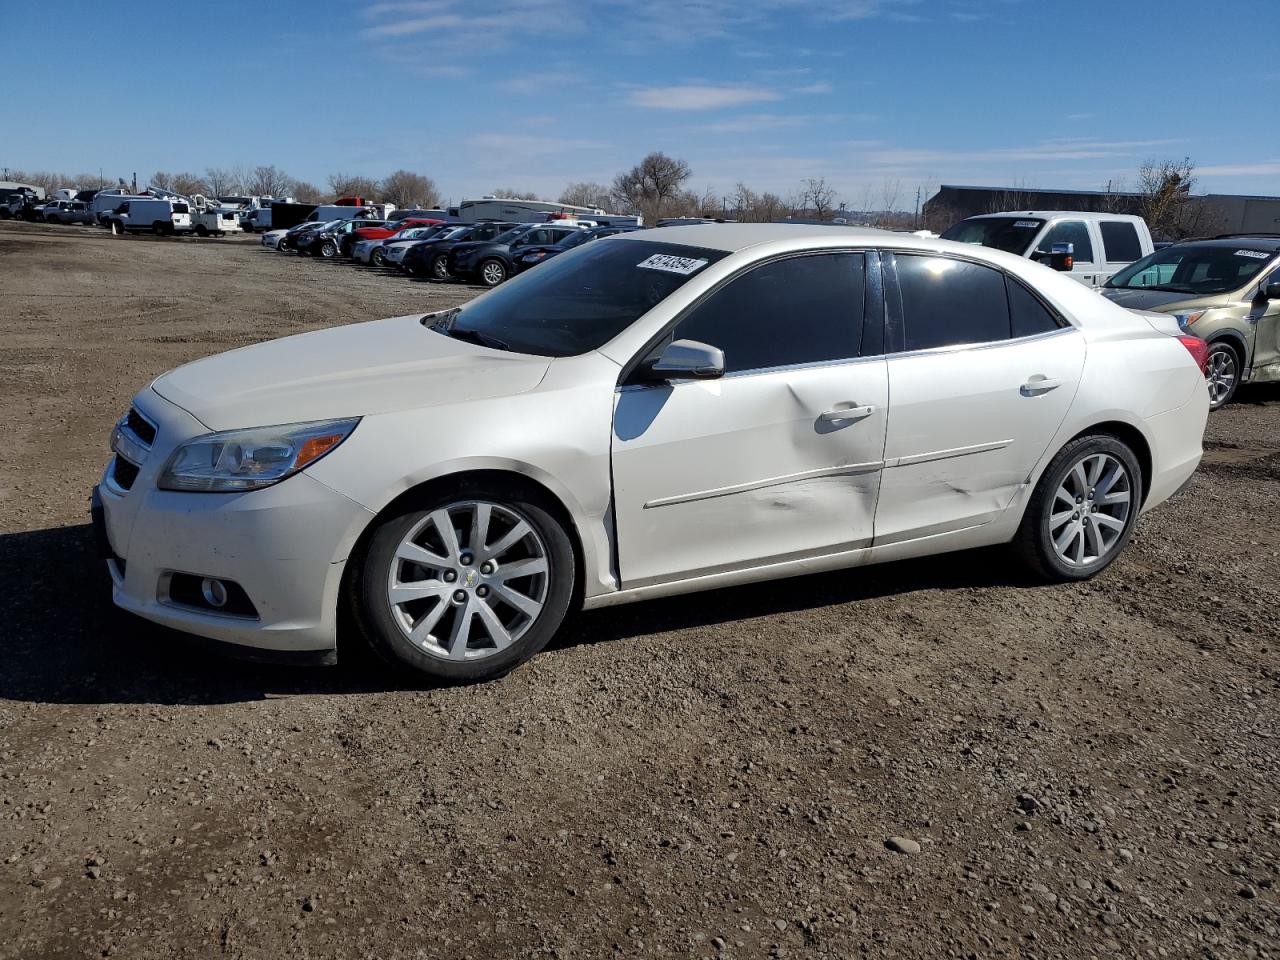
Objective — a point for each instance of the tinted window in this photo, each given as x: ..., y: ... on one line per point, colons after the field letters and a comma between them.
x: 798, y: 310
x: 582, y: 300
x: 1074, y: 232
x: 1027, y: 315
x: 950, y: 302
x: 1010, y: 234
x: 1120, y: 242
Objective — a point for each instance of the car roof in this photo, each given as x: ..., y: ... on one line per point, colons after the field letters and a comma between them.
x: 732, y: 237
x: 1262, y: 243
x: 1051, y: 214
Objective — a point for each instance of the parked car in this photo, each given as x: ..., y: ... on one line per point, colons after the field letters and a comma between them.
x: 1096, y: 244
x: 291, y: 236
x: 536, y: 254
x: 431, y: 258
x: 492, y: 262
x: 382, y: 229
x: 650, y: 414
x: 1226, y: 291
x: 390, y: 252
x: 335, y: 239
x: 66, y: 211
x: 272, y: 238
x: 371, y: 251
x: 160, y: 216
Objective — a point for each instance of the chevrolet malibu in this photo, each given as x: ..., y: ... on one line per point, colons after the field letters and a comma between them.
x: 656, y: 413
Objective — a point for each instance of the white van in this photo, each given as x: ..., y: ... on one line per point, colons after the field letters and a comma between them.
x: 1100, y: 243
x: 160, y: 216
x: 104, y: 202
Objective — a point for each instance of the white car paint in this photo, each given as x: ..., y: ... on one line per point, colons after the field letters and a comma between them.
x: 272, y: 238
x: 725, y: 481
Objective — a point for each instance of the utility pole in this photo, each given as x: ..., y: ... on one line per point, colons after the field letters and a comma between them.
x: 917, y: 206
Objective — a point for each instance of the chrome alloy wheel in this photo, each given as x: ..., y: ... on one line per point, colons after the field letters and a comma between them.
x: 468, y: 580
x: 1090, y: 509
x: 493, y: 273
x: 1221, y: 373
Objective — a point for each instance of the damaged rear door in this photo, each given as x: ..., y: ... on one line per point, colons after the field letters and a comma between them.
x: 781, y: 457
x: 982, y: 373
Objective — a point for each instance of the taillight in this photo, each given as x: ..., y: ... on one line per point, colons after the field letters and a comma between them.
x: 1197, y: 348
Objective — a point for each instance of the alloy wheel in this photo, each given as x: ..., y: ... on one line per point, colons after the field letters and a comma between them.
x: 1090, y: 509
x: 493, y: 273
x: 440, y: 268
x: 468, y: 580
x: 1222, y: 373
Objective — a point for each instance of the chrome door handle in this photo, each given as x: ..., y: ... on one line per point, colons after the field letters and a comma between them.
x: 847, y: 413
x: 1037, y: 385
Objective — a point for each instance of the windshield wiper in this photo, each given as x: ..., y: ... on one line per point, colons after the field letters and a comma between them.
x: 475, y: 336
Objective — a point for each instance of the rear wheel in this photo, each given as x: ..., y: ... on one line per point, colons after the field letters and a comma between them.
x: 158, y: 228
x: 440, y: 268
x: 202, y: 230
x: 493, y: 272
x: 1222, y: 372
x: 379, y: 259
x: 1083, y: 509
x: 466, y: 585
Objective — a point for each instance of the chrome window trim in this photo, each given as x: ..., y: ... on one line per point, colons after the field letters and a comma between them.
x: 818, y: 474
x: 984, y: 345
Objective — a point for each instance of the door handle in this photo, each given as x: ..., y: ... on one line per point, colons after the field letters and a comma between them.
x: 1039, y: 384
x: 841, y: 414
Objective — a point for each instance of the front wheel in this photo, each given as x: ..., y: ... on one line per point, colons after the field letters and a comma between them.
x: 1222, y: 371
x: 440, y: 268
x: 466, y: 585
x: 379, y: 258
x: 492, y: 272
x: 1083, y: 509
x: 202, y: 230
x: 328, y: 249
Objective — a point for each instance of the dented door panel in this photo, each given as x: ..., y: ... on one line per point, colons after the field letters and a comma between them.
x: 748, y: 469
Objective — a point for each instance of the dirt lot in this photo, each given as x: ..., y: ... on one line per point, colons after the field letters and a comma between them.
x: 1086, y: 770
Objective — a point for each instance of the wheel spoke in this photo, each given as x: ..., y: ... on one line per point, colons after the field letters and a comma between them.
x: 480, y: 528
x: 1094, y: 533
x: 1106, y: 520
x: 522, y: 568
x: 444, y: 524
x: 1082, y: 481
x: 417, y: 590
x: 1080, y: 548
x: 1063, y: 540
x: 509, y: 540
x: 420, y: 555
x: 1096, y: 466
x: 422, y: 629
x: 526, y: 605
x: 1058, y: 519
x: 461, y: 631
x: 1108, y: 481
x: 497, y: 632
x: 1120, y: 496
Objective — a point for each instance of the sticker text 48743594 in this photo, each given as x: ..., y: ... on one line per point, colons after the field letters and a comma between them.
x: 668, y: 263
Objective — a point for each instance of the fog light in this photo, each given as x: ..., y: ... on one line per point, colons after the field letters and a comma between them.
x: 214, y: 592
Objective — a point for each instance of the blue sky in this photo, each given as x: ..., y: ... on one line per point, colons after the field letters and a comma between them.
x: 534, y: 94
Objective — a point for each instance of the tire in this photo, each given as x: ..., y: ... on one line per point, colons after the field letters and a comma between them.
x: 328, y: 250
x: 378, y: 258
x: 440, y: 268
x: 1222, y: 373
x: 201, y: 230
x: 541, y: 598
x: 492, y: 272
x: 1055, y: 516
x: 158, y: 228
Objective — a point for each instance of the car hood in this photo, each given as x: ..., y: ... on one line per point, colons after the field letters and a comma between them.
x: 1162, y: 301
x: 354, y: 370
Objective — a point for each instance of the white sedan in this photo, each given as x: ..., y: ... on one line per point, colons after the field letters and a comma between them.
x: 660, y: 412
x: 272, y: 238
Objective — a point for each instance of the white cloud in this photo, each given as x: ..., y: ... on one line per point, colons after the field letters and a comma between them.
x: 701, y: 97
x: 1265, y: 168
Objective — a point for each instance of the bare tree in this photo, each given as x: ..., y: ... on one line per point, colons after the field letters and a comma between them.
x: 268, y: 182
x: 189, y: 184
x: 305, y: 192
x: 161, y: 180
x: 90, y: 181
x: 407, y: 189
x: 222, y: 182
x: 652, y: 186
x: 1164, y: 189
x: 586, y: 194
x: 815, y: 195
x: 353, y: 185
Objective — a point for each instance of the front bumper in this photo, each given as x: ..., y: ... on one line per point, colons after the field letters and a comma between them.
x: 286, y: 546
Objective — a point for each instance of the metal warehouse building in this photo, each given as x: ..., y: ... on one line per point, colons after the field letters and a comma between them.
x: 1235, y: 213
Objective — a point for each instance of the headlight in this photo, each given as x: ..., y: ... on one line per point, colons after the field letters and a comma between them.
x: 1185, y: 320
x: 249, y: 459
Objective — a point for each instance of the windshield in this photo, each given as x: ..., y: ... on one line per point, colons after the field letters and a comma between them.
x: 1199, y: 269
x: 1010, y: 234
x: 582, y: 300
x: 513, y: 233
x: 455, y: 233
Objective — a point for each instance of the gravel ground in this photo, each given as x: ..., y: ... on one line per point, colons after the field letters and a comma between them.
x: 926, y: 759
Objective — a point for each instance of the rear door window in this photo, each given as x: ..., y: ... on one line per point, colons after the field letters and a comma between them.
x: 1120, y: 243
x: 1074, y: 232
x: 947, y: 303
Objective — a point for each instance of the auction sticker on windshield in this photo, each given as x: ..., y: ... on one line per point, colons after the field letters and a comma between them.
x: 1255, y: 254
x: 1027, y: 224
x: 672, y: 264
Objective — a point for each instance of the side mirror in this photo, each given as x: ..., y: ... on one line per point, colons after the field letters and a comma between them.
x: 1060, y: 257
x: 687, y: 360
x: 1271, y: 289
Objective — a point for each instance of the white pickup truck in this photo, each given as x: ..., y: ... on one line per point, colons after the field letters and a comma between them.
x: 1100, y: 243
